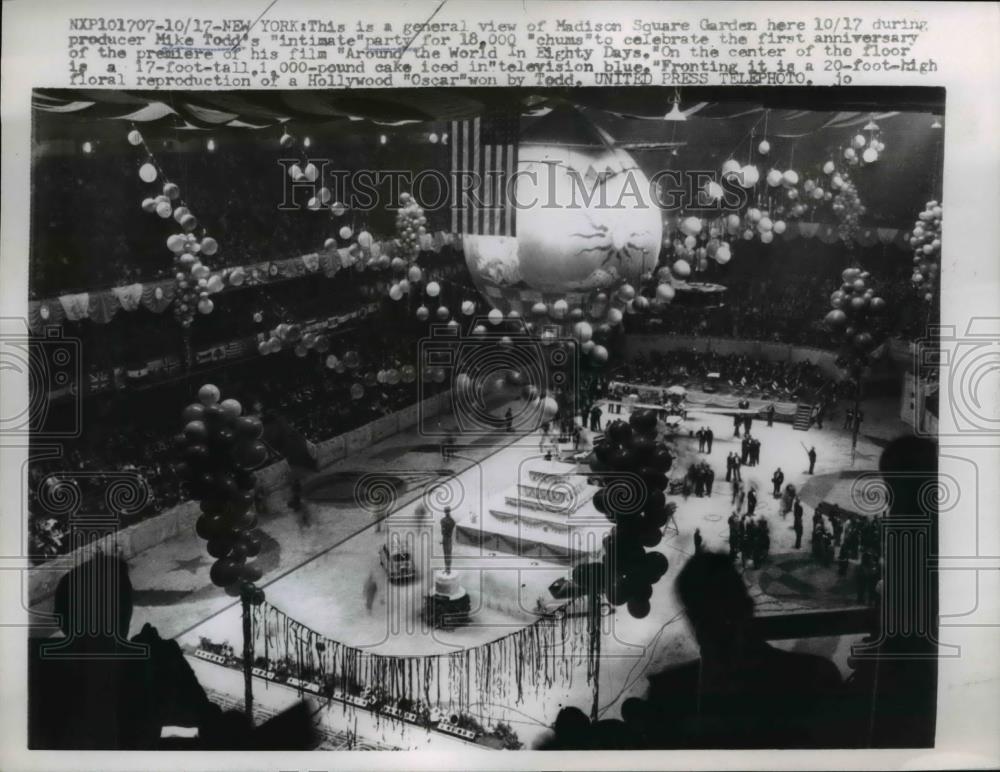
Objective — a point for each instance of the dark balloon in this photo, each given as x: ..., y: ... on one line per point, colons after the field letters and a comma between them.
x: 638, y: 608
x: 249, y: 427
x: 655, y: 501
x: 251, y: 572
x: 224, y: 572
x: 219, y: 547
x: 193, y: 412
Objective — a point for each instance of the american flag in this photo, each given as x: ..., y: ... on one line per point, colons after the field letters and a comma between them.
x: 483, y: 162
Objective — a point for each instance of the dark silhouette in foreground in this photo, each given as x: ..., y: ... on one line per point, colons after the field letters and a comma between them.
x: 96, y: 690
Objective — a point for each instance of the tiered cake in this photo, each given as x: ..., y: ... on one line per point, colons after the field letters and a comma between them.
x: 548, y: 513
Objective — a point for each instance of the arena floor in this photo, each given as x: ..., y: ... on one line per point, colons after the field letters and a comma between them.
x: 316, y: 562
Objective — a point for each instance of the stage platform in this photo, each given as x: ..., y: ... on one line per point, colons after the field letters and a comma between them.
x: 547, y: 513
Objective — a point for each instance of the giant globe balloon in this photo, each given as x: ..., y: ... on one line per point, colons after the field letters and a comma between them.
x: 569, y: 243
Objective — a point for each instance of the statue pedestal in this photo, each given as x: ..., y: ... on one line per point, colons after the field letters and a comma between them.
x: 449, y: 606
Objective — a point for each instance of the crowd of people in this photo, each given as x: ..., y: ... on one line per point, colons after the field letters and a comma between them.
x: 130, y: 433
x: 742, y: 373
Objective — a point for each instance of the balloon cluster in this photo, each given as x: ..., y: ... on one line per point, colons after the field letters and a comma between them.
x: 926, y: 242
x: 221, y: 449
x: 632, y: 467
x: 195, y: 282
x: 854, y: 317
x: 411, y: 224
x: 846, y: 205
x: 292, y: 335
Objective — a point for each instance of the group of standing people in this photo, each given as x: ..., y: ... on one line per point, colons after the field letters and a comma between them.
x: 750, y: 538
x: 749, y: 450
x: 700, y: 478
x: 705, y: 438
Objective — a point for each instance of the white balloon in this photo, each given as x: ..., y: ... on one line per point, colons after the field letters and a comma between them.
x: 495, y: 316
x: 433, y: 289
x: 730, y: 167
x: 749, y: 176
x: 859, y: 141
x: 723, y: 254
x: 828, y: 167
x: 209, y: 246
x: 779, y: 226
x: 149, y: 205
x: 691, y: 226
x: 764, y: 147
x: 774, y: 178
x: 311, y: 172
x: 870, y: 155
x: 176, y: 243
x: 147, y: 173
x: 767, y: 237
x: 164, y: 209
x: 346, y: 232
x: 134, y: 137
x: 790, y: 178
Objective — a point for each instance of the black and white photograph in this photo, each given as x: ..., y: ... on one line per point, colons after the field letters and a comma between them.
x: 462, y: 420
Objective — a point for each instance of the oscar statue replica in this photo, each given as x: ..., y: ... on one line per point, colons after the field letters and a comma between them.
x: 450, y: 604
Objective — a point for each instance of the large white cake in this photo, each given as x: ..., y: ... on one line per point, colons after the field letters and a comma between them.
x: 547, y: 513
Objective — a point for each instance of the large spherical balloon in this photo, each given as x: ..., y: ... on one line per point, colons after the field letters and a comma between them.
x: 209, y: 394
x: 749, y: 176
x: 147, y: 173
x: 681, y: 269
x: 579, y: 244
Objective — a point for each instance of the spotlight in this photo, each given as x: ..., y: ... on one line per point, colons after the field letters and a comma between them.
x: 88, y: 147
x: 306, y: 142
x: 432, y: 138
x: 210, y: 145
x: 383, y: 139
x: 936, y: 124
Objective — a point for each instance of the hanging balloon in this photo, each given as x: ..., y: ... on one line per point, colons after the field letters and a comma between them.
x: 365, y: 240
x: 495, y: 316
x: 423, y: 313
x: 468, y: 307
x: 767, y: 237
x: 859, y: 141
x: 345, y: 232
x: 414, y: 274
x: 338, y: 209
x: 723, y: 254
x: 286, y: 141
x: 829, y: 167
x: 599, y: 354
x: 209, y: 246
x: 176, y: 243
x: 560, y: 309
x: 163, y: 209
x: 665, y: 293
x: 790, y: 178
x: 395, y: 292
x: 870, y: 155
x: 433, y: 289
x: 206, y: 306
x: 147, y: 172
x: 311, y: 173
x: 730, y: 168
x: 691, y: 226
x: 774, y: 178
x: 749, y: 176
x: 215, y: 284
x: 134, y: 137
x: 443, y: 313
